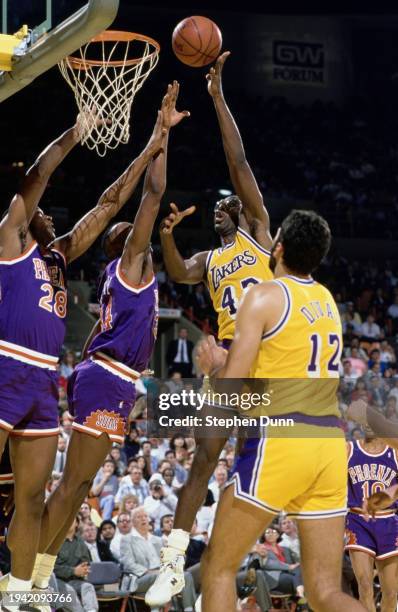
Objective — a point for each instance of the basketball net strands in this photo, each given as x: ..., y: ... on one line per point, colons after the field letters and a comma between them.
x: 105, y: 75
x: 27, y: 61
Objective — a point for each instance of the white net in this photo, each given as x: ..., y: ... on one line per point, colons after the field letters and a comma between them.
x: 105, y: 88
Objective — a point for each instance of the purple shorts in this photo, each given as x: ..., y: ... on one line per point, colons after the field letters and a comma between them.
x: 28, y: 399
x: 378, y: 537
x: 100, y: 401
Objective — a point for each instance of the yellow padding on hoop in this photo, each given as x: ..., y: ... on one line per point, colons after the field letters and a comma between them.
x: 8, y: 43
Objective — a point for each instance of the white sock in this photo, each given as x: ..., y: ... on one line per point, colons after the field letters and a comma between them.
x: 178, y: 539
x: 43, y: 570
x: 16, y: 584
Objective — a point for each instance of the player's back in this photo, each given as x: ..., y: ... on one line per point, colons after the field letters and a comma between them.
x: 232, y: 270
x: 32, y: 305
x: 129, y: 316
x: 301, y: 354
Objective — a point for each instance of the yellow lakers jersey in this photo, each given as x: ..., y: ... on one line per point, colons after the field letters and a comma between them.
x: 231, y: 270
x: 305, y: 344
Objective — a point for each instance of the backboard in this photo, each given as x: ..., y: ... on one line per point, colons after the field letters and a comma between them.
x: 56, y: 29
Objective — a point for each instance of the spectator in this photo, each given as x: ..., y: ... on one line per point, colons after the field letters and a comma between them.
x: 67, y: 364
x: 60, y: 457
x: 133, y: 485
x: 179, y: 355
x: 105, y: 487
x: 99, y: 550
x: 106, y: 532
x: 150, y: 460
x: 290, y: 538
x: 200, y: 302
x: 370, y: 330
x: 73, y: 566
x: 205, y: 516
x: 118, y: 459
x: 283, y: 574
x: 358, y: 365
x: 87, y: 514
x: 166, y: 525
x: 175, y: 383
x: 387, y: 353
x: 172, y: 485
x: 392, y: 311
x: 128, y: 503
x: 132, y: 445
x: 124, y: 526
x: 220, y: 478
x: 140, y: 556
x: 158, y: 503
x: 180, y: 472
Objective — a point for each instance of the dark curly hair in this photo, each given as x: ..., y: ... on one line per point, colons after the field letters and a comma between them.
x: 306, y: 238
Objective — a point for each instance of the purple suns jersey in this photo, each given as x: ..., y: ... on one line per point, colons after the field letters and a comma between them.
x: 129, y: 318
x: 33, y: 302
x: 369, y: 473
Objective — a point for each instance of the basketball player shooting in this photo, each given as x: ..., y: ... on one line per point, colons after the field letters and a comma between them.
x: 32, y: 331
x: 275, y: 340
x: 102, y: 392
x: 241, y: 262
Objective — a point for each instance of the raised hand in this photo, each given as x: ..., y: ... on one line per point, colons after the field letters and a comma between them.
x: 171, y: 116
x: 210, y: 357
x: 214, y: 82
x: 159, y: 131
x: 174, y: 218
x: 357, y: 412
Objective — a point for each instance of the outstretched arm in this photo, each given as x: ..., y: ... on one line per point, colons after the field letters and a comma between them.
x: 24, y: 204
x: 240, y: 172
x: 87, y: 230
x: 139, y: 237
x: 188, y: 271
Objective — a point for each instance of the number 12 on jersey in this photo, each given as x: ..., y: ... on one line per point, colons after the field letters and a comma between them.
x: 314, y: 368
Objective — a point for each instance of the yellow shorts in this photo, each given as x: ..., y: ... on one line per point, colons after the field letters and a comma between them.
x: 304, y: 476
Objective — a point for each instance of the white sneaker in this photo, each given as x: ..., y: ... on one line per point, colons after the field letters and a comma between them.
x: 198, y: 604
x: 170, y: 580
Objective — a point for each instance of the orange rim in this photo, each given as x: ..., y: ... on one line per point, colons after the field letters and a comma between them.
x: 77, y: 63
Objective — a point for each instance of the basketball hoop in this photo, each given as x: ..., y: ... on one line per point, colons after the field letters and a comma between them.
x: 104, y: 79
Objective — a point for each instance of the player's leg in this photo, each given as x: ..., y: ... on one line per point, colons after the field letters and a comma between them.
x: 193, y: 492
x: 363, y: 565
x: 170, y: 580
x: 32, y: 459
x: 227, y: 549
x: 388, y: 575
x: 321, y: 542
x: 86, y: 454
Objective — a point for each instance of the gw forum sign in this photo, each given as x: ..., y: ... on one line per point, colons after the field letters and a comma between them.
x: 298, y: 62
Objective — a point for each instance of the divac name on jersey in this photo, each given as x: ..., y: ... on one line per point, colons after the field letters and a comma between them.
x: 313, y: 311
x: 52, y: 274
x: 381, y: 473
x: 219, y: 273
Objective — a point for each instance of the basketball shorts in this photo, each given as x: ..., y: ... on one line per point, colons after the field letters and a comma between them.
x: 100, y: 401
x: 304, y: 474
x: 28, y: 399
x: 378, y: 537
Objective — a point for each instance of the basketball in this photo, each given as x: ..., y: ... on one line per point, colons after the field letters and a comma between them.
x: 197, y: 41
